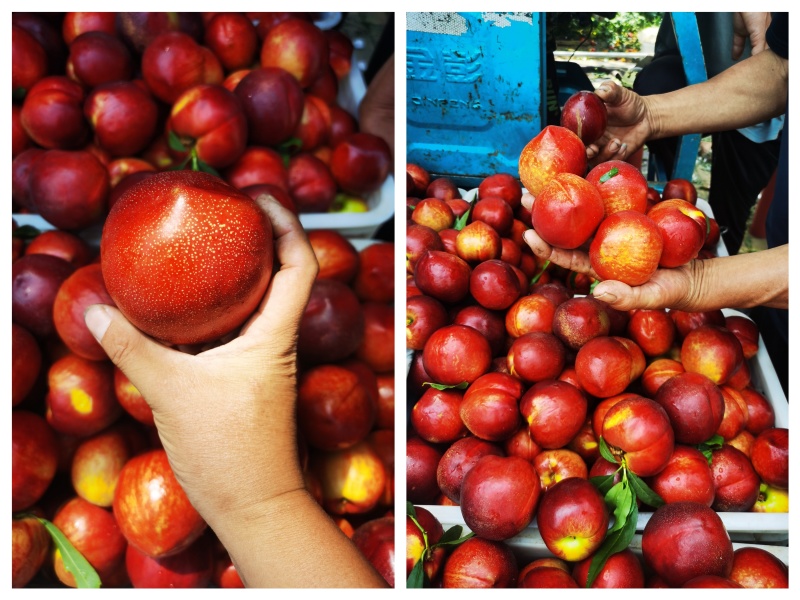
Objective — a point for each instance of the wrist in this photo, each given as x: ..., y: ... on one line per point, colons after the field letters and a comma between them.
x: 653, y: 118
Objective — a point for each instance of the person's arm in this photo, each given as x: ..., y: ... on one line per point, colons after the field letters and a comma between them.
x: 376, y: 111
x: 226, y: 418
x: 741, y: 281
x: 749, y: 92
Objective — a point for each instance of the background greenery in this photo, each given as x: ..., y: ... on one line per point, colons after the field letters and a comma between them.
x: 616, y: 32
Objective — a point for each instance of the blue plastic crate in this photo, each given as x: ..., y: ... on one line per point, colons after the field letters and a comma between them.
x: 475, y: 90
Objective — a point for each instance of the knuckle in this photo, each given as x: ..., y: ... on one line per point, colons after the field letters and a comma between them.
x: 121, y: 350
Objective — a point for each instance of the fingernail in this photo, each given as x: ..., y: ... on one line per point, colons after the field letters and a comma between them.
x: 606, y: 297
x: 623, y: 148
x: 97, y: 320
x: 613, y: 146
x: 528, y: 236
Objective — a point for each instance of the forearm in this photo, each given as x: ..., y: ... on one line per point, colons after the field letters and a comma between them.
x: 749, y: 92
x: 741, y: 281
x: 292, y: 543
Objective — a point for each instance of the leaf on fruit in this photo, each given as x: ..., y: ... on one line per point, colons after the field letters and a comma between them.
x: 18, y: 95
x: 605, y: 451
x: 450, y: 535
x: 441, y: 386
x: 643, y: 492
x: 455, y: 533
x: 711, y: 444
x: 74, y: 562
x: 290, y: 146
x: 206, y: 168
x: 616, y: 541
x: 538, y: 276
x: 612, y: 173
x: 603, y: 483
x: 416, y: 579
x: 461, y: 221
x: 175, y: 143
x: 410, y: 510
x: 25, y: 232
x: 181, y: 165
x: 620, y: 496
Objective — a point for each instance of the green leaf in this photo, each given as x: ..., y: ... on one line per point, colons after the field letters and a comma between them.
x: 461, y: 221
x: 616, y: 541
x: 25, y: 232
x: 290, y: 146
x: 612, y: 173
x: 538, y: 276
x: 451, y: 535
x: 18, y: 95
x: 441, y: 386
x: 603, y: 483
x: 594, y: 285
x: 74, y: 562
x: 455, y: 542
x: 181, y: 165
x: 711, y: 444
x: 605, y: 451
x: 206, y: 168
x: 643, y: 491
x: 175, y: 143
x: 416, y: 578
x: 621, y: 497
x: 410, y: 510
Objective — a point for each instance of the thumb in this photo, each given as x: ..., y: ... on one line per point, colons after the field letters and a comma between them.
x: 617, y: 294
x: 610, y: 92
x: 141, y: 358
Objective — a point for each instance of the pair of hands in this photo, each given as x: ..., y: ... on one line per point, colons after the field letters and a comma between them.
x: 632, y: 120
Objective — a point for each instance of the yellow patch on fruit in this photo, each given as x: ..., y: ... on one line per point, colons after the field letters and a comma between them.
x: 414, y: 547
x: 617, y: 417
x: 572, y: 549
x: 361, y: 470
x: 81, y: 401
x: 185, y: 99
x: 130, y: 389
x: 97, y: 490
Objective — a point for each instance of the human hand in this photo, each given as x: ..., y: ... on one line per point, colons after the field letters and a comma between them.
x: 667, y: 288
x: 226, y: 416
x: 629, y: 124
x: 376, y: 112
x: 753, y: 26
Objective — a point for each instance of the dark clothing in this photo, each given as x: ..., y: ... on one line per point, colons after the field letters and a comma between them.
x: 773, y: 323
x: 740, y: 167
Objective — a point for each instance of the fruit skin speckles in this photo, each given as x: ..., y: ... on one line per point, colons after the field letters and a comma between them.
x: 186, y: 257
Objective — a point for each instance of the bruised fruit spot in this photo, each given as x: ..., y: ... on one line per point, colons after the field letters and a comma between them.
x: 81, y: 401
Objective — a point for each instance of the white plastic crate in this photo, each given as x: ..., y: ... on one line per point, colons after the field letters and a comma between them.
x: 742, y: 526
x: 362, y: 225
x: 380, y: 202
x: 529, y: 545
